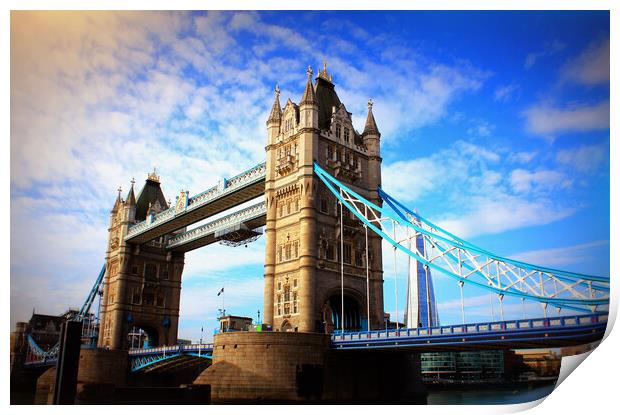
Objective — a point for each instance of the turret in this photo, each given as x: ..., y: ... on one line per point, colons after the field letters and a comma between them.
x: 275, y: 119
x: 130, y: 203
x: 117, y: 204
x: 372, y: 141
x: 371, y: 134
x: 309, y: 105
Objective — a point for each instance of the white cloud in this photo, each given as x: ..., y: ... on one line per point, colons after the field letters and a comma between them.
x: 591, y: 67
x: 549, y: 49
x: 585, y: 157
x: 522, y: 157
x: 411, y: 179
x: 483, y: 195
x: 563, y: 256
x: 505, y: 93
x: 481, y: 129
x: 548, y: 120
x: 496, y: 214
x: 524, y: 181
x: 99, y: 97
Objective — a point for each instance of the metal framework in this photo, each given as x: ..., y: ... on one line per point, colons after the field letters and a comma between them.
x: 467, y: 263
x: 143, y: 358
x: 36, y: 355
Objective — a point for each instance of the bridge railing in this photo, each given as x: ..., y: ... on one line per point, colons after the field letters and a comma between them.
x: 487, y: 327
x: 176, y: 349
x: 245, y: 178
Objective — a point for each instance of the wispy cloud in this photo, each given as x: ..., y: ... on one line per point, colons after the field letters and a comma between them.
x: 120, y: 92
x: 524, y: 181
x: 504, y: 212
x: 585, y: 157
x: 591, y: 67
x: 549, y: 49
x: 500, y: 195
x: 549, y: 120
x: 563, y: 256
x: 522, y: 157
x: 505, y: 93
x: 481, y: 128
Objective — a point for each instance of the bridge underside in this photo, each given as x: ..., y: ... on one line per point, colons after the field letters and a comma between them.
x: 207, y: 234
x: 193, y: 215
x: 173, y: 364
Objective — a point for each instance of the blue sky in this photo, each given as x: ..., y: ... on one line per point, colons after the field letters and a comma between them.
x: 495, y: 125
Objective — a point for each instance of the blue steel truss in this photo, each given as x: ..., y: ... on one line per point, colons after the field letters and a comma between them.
x: 467, y: 263
x: 143, y: 358
x: 36, y: 355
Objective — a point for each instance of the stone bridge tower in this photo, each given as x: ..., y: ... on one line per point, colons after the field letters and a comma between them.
x: 142, y: 284
x: 303, y: 246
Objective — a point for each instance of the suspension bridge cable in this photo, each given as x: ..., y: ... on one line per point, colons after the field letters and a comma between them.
x: 375, y: 225
x: 367, y: 280
x: 330, y: 181
x: 341, y: 270
x: 395, y: 277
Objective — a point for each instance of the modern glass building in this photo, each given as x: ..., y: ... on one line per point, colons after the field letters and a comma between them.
x: 474, y: 365
x: 421, y: 309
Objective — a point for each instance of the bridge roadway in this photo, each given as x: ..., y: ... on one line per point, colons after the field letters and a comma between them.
x: 228, y: 194
x: 514, y: 334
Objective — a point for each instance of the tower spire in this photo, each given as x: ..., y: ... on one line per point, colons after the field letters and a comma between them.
x: 323, y: 74
x: 276, y: 111
x: 131, y: 197
x: 118, y: 201
x: 371, y: 125
x: 309, y: 96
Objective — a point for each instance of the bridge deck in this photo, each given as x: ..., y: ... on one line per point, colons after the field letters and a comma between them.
x: 515, y: 334
x: 235, y: 191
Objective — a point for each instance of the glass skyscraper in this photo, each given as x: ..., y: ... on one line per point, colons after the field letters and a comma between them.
x: 421, y: 309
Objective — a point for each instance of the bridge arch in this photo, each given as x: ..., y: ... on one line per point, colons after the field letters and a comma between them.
x: 354, y: 311
x: 143, y: 336
x: 286, y: 326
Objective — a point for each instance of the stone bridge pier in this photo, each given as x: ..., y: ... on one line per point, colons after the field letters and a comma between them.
x: 278, y: 367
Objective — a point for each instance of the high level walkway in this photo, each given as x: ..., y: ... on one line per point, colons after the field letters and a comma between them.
x: 226, y: 195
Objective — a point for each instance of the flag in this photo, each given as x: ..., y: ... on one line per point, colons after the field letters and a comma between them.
x: 221, y: 291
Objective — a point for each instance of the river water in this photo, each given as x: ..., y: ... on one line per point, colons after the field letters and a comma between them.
x: 489, y: 395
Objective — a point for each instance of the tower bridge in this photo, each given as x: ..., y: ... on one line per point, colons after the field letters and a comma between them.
x: 325, y: 216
